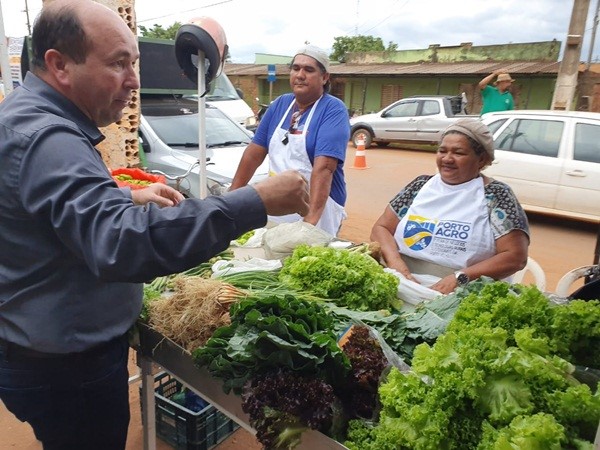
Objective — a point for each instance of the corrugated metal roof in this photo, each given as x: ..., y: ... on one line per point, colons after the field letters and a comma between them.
x: 425, y: 68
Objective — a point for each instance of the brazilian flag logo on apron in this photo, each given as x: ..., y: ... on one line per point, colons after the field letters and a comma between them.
x: 418, y: 232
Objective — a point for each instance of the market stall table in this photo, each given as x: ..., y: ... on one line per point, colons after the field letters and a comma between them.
x: 152, y: 347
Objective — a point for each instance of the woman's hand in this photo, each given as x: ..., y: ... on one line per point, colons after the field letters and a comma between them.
x: 400, y: 267
x: 158, y: 193
x: 446, y: 284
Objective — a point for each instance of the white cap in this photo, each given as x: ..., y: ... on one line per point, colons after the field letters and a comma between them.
x: 315, y: 53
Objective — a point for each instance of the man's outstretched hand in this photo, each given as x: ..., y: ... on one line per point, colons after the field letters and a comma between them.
x: 158, y: 193
x: 285, y: 193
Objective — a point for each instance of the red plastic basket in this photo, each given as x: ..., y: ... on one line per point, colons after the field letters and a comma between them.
x: 136, y: 174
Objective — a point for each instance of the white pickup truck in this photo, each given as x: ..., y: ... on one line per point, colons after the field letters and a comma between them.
x: 418, y: 120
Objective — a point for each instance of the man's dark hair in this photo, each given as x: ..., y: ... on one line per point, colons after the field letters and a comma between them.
x: 327, y: 86
x: 58, y: 29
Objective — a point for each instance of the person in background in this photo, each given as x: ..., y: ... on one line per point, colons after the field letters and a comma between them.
x: 496, y: 98
x: 306, y: 130
x: 457, y: 225
x: 75, y: 247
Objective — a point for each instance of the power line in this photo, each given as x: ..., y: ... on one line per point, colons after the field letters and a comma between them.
x: 357, y: 26
x: 183, y: 12
x: 391, y: 15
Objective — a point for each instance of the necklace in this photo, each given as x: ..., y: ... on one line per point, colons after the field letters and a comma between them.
x: 297, y: 115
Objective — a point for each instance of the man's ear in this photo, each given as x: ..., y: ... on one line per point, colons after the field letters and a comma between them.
x: 58, y: 65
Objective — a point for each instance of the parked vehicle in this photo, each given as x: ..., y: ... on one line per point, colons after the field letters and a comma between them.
x: 551, y: 160
x: 262, y: 110
x: 419, y: 120
x: 169, y: 134
x: 230, y: 100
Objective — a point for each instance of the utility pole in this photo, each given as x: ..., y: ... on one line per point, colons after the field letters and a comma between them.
x: 27, y: 17
x: 4, y: 61
x: 566, y: 82
x: 593, y: 40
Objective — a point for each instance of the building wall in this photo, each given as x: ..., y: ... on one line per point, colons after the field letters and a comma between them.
x: 365, y: 95
x: 589, y: 92
x: 532, y: 51
x: 120, y: 148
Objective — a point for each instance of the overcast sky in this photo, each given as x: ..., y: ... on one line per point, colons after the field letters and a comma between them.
x: 281, y: 26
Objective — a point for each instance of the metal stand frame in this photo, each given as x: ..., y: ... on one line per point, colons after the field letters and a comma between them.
x: 155, y: 348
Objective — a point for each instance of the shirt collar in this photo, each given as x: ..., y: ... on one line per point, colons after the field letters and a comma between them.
x: 60, y: 105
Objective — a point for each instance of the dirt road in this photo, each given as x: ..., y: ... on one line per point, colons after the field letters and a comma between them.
x: 558, y: 245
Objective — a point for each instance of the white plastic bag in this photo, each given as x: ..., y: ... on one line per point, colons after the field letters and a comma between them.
x: 226, y: 267
x: 413, y: 292
x: 255, y: 241
x: 281, y: 240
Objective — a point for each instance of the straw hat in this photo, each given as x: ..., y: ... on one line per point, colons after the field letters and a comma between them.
x: 503, y: 77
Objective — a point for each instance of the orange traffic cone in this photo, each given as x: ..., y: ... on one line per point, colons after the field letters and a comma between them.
x: 360, y: 160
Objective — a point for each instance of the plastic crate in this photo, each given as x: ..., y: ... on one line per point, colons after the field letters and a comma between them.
x: 185, y: 429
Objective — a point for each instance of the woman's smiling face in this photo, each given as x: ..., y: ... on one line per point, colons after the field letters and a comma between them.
x: 456, y: 159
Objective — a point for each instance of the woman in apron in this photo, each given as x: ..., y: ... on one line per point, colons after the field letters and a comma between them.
x: 457, y: 225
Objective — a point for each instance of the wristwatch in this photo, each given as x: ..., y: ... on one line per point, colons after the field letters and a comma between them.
x: 461, y: 278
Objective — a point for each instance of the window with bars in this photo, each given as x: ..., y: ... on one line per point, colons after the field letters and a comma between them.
x: 390, y: 93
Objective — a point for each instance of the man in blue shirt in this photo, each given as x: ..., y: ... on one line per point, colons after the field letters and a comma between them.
x: 306, y: 130
x: 76, y: 247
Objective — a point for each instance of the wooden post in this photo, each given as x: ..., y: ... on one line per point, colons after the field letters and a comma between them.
x: 566, y: 82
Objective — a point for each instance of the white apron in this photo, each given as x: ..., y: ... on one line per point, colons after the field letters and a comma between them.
x: 446, y: 225
x: 293, y: 156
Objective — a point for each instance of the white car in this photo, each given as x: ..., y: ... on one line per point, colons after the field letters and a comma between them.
x: 551, y: 160
x: 169, y: 137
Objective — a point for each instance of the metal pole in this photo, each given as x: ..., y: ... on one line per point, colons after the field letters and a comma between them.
x: 202, y: 123
x: 4, y: 61
x: 593, y: 40
x: 597, y: 251
x: 27, y: 16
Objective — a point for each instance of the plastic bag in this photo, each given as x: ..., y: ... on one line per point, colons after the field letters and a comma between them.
x: 413, y: 292
x: 255, y: 241
x: 226, y: 267
x: 280, y: 241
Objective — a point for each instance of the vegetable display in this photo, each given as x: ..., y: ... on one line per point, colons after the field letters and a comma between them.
x: 502, y: 376
x: 351, y: 279
x: 367, y: 362
x: 195, y: 309
x: 270, y: 333
x: 154, y: 289
x: 282, y: 404
x: 322, y: 344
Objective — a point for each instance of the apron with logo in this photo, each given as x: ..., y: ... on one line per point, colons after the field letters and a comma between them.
x: 446, y: 228
x: 293, y: 156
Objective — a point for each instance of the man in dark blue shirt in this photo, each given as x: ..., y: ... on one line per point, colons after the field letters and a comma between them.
x: 75, y: 247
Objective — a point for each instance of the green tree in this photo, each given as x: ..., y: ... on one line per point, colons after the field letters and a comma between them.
x: 158, y: 31
x: 360, y: 43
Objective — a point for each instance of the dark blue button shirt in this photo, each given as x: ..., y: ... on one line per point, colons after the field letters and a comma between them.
x: 74, y: 249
